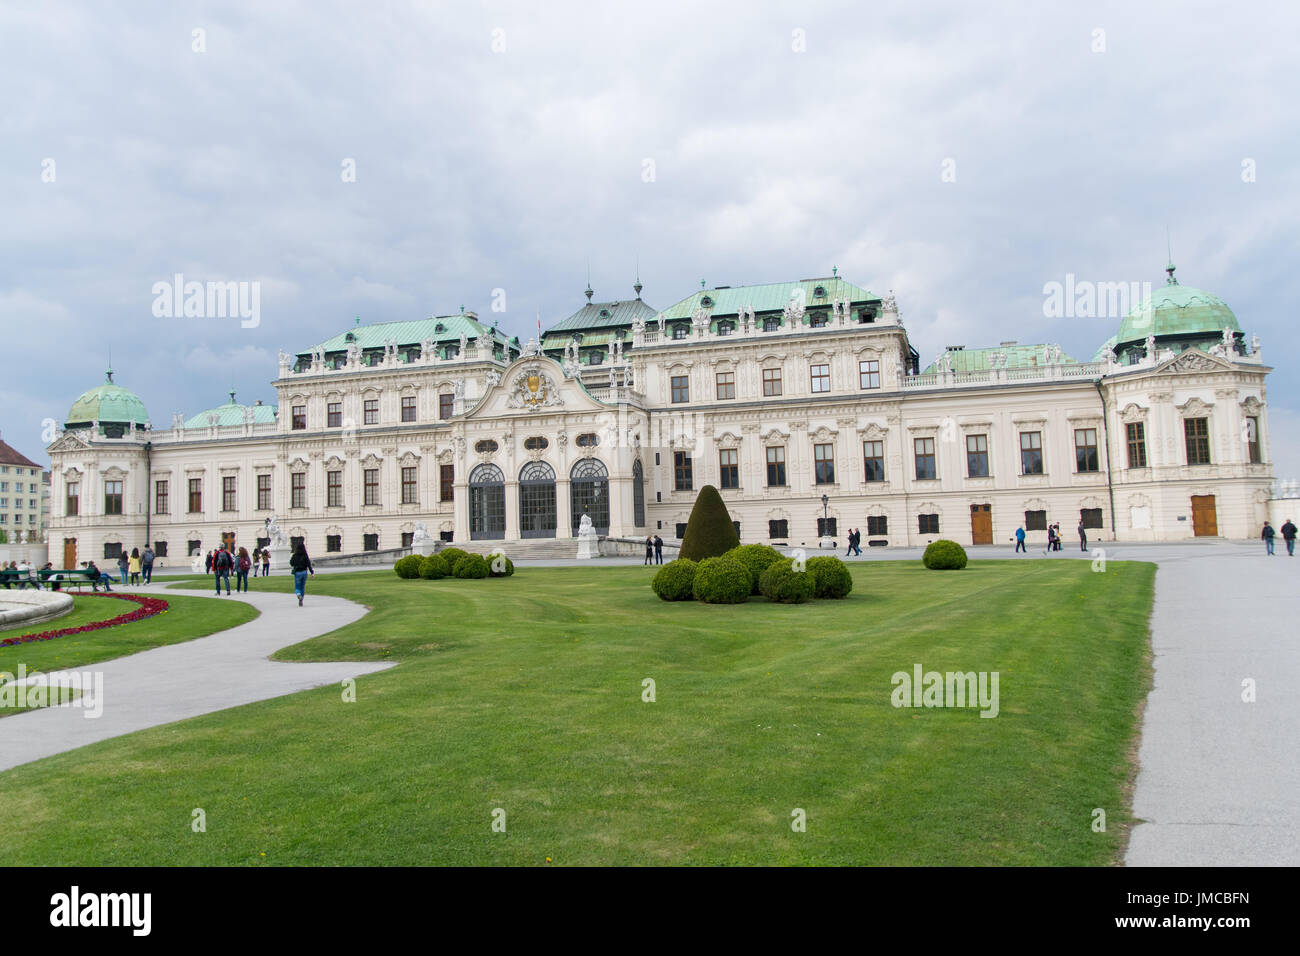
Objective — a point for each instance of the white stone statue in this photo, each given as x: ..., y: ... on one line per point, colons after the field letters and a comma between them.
x: 1108, y: 354
x: 421, y: 540
x: 1229, y: 342
x: 493, y: 377
x: 1254, y: 345
x: 660, y: 319
x: 275, y: 533
x: 458, y: 389
x: 1151, y: 348
x: 464, y: 341
x: 588, y: 544
x: 888, y: 304
x: 196, y: 562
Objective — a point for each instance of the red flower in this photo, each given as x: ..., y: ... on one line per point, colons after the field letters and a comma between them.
x: 148, y: 608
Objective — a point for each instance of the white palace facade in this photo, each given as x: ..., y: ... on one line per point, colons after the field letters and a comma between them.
x: 803, y: 402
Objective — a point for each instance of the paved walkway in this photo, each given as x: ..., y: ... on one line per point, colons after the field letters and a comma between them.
x: 173, y: 683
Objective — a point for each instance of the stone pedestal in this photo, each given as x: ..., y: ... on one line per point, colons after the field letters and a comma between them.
x: 280, y: 558
x: 588, y: 546
x: 827, y: 543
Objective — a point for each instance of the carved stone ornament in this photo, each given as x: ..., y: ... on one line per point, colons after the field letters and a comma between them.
x: 533, y: 388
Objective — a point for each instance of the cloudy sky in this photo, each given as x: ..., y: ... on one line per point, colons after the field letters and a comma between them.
x: 962, y: 155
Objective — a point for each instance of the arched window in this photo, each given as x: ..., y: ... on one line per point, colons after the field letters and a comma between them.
x: 638, y: 494
x: 486, y: 446
x: 487, y: 503
x: 537, y: 500
x: 589, y: 494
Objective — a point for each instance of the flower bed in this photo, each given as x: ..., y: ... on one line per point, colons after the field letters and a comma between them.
x: 148, y: 608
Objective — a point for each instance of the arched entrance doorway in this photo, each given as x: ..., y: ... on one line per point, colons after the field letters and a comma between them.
x: 589, y: 494
x: 537, y: 500
x: 487, y: 503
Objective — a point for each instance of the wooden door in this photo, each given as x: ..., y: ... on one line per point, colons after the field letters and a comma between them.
x: 1205, y: 520
x: 69, y: 553
x: 981, y: 524
x: 228, y: 541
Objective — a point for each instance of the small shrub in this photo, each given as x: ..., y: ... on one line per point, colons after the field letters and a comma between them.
x: 471, y: 566
x: 409, y: 566
x: 721, y: 580
x: 507, y: 566
x: 709, y: 531
x: 831, y: 577
x: 675, y: 581
x: 452, y: 555
x: 756, y: 558
x: 433, y: 567
x: 945, y: 555
x: 783, y: 584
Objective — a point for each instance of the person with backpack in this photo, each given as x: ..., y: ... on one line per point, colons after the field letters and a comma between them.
x: 242, y: 565
x: 1288, y: 535
x: 1268, y: 534
x: 266, y: 562
x: 222, y: 563
x: 146, y: 564
x: 301, y: 565
x: 659, y: 550
x: 123, y: 568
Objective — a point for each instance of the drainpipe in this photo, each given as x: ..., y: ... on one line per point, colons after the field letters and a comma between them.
x: 1110, y: 485
x: 148, y: 487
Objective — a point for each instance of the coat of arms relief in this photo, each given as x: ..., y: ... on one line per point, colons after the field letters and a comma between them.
x: 533, y: 388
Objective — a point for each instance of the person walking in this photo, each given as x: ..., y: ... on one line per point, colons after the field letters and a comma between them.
x: 301, y: 565
x: 649, y: 550
x: 123, y: 567
x: 1051, y: 537
x: 659, y: 550
x: 134, y: 565
x: 1083, y: 537
x: 266, y: 562
x: 1020, y: 541
x: 242, y: 566
x: 211, y: 557
x: 257, y: 561
x: 146, y: 564
x: 1268, y: 534
x: 1288, y: 535
x: 221, y: 565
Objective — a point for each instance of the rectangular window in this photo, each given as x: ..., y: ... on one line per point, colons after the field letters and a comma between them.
x: 1090, y: 517
x: 680, y: 332
x: 771, y: 381
x: 1253, y: 454
x: 333, y: 542
x: 826, y: 527
x: 334, y: 415
x: 778, y: 528
x: 371, y: 485
x: 160, y: 549
x: 410, y: 494
x: 295, y: 540
x: 726, y: 385
x: 877, y: 525
x: 299, y: 417
x: 1085, y: 450
x: 263, y: 492
x: 160, y: 505
x: 869, y: 374
x: 446, y: 405
x: 334, y: 489
x: 196, y: 495
x: 682, y: 471
x: 679, y: 530
x: 297, y: 489
x: 1196, y: 431
x: 370, y: 411
x: 1137, y: 444
x: 821, y: 378
x: 112, y: 550
x: 681, y: 389
x: 72, y: 499
x: 927, y: 524
x: 446, y: 482
x: 228, y: 502
x: 408, y: 538
x: 193, y: 547
x: 370, y: 542
x: 873, y: 457
x: 824, y: 463
x: 1035, y: 520
x: 924, y: 453
x: 408, y: 408
x: 729, y: 468
x: 776, y: 466
x: 1031, y: 453
x: 977, y: 456
x: 112, y: 497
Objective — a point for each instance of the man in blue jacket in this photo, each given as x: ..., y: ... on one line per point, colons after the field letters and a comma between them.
x: 1020, y: 541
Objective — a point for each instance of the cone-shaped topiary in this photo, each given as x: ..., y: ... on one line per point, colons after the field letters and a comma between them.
x: 944, y: 555
x: 674, y: 581
x: 755, y: 558
x: 785, y: 585
x: 721, y: 580
x: 408, y: 567
x: 831, y: 576
x: 709, y: 531
x: 433, y: 567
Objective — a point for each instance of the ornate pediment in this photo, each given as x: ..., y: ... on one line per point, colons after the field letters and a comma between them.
x: 1194, y: 360
x: 69, y: 441
x: 873, y: 432
x: 774, y: 436
x: 727, y: 440
x: 532, y: 387
x: 1251, y: 406
x: 823, y: 433
x: 1133, y: 413
x: 1194, y: 408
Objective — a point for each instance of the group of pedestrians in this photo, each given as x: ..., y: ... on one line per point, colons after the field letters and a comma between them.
x: 1053, y: 538
x: 225, y: 561
x: 654, y: 550
x: 1288, y: 535
x: 855, y: 542
x: 135, y: 568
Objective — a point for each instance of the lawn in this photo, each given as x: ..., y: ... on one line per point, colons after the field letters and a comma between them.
x: 525, y: 694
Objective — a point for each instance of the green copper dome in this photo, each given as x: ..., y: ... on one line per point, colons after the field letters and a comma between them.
x: 232, y: 413
x: 107, y: 404
x: 1177, y: 310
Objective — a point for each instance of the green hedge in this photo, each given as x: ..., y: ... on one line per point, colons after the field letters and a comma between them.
x: 433, y: 567
x: 500, y: 560
x: 721, y: 580
x: 709, y: 531
x: 471, y: 566
x: 783, y: 584
x: 944, y: 555
x: 831, y: 577
x: 675, y: 581
x: 408, y: 567
x: 756, y: 558
x: 452, y: 555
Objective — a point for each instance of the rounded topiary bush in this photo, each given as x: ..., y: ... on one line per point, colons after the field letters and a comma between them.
x: 675, y: 581
x: 756, y: 558
x: 408, y: 567
x: 452, y: 555
x: 434, y: 567
x: 709, y: 531
x: 783, y: 584
x: 831, y: 577
x: 499, y: 560
x: 471, y: 566
x: 721, y: 580
x: 945, y: 555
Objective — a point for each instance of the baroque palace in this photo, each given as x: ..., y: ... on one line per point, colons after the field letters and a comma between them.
x: 802, y: 402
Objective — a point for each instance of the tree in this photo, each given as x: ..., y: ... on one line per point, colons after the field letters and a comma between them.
x: 709, y: 531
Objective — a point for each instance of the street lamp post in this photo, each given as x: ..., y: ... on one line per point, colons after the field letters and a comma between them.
x: 826, y: 540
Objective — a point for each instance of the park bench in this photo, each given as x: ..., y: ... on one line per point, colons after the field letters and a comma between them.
x: 69, y: 577
x: 10, y: 577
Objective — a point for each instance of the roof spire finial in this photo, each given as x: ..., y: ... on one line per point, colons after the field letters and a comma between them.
x: 587, y: 291
x: 109, y: 371
x: 1169, y: 269
x: 637, y: 287
x: 701, y: 283
x: 835, y: 270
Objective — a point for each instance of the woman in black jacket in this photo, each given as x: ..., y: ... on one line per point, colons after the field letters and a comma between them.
x: 301, y: 565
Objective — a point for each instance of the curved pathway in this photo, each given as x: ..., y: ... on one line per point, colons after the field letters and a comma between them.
x: 179, y: 681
